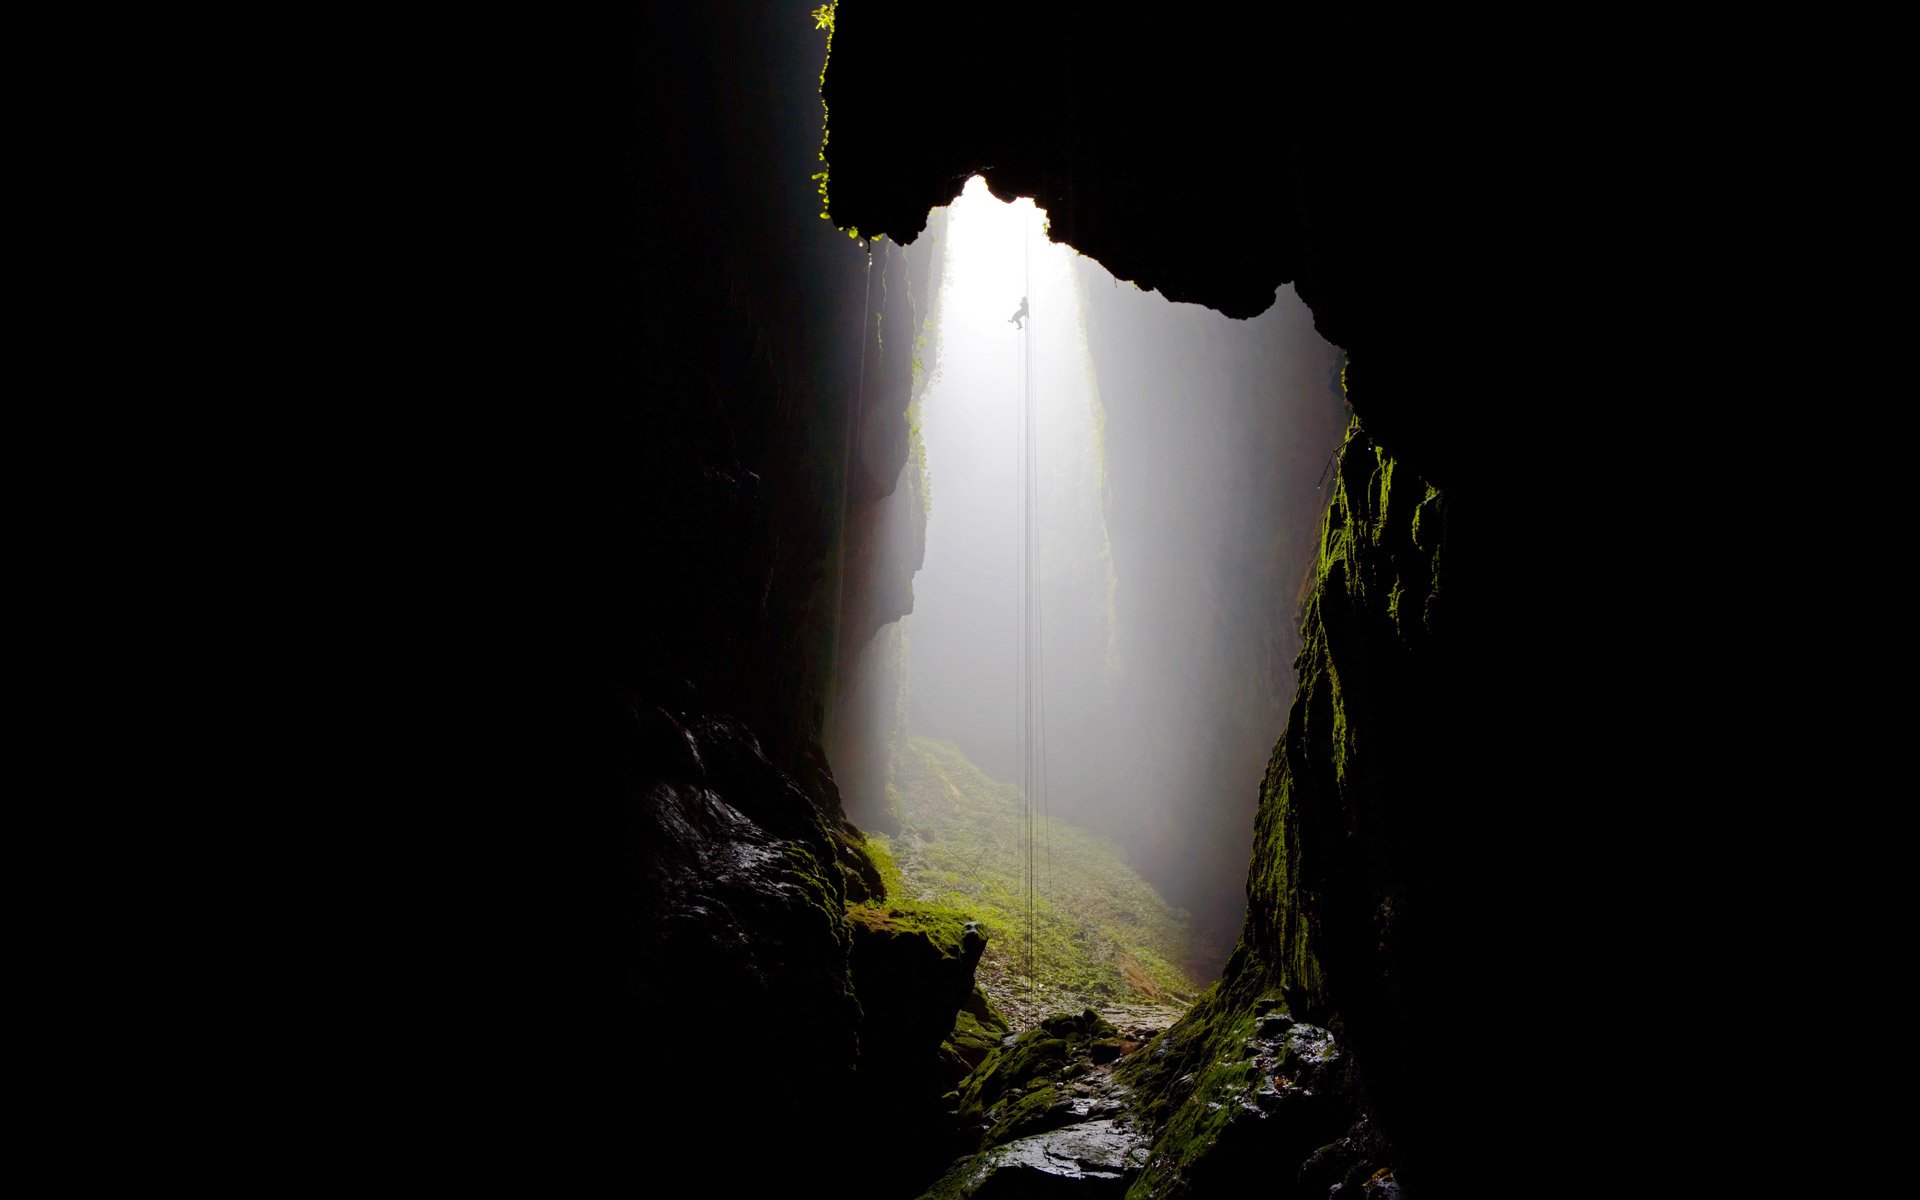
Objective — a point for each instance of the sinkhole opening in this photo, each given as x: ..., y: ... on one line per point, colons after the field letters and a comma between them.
x: 1064, y: 739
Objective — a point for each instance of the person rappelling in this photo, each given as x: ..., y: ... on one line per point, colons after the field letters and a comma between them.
x: 1019, y: 315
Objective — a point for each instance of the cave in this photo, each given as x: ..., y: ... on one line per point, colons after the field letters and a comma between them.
x: 692, y: 511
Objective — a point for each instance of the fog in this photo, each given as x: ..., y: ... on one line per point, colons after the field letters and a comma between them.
x: 1175, y: 507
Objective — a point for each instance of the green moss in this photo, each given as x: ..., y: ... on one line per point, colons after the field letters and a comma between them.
x: 944, y: 928
x: 822, y: 888
x: 1192, y: 1128
x: 880, y: 849
x: 1198, y: 1077
x: 927, y: 358
x: 1110, y: 609
x: 1371, y: 607
x: 1101, y: 932
x: 1016, y: 1089
x: 823, y: 19
x: 944, y: 925
x: 920, y: 479
x: 959, y: 1181
x: 978, y: 1032
x: 1025, y: 1114
x: 971, y: 1042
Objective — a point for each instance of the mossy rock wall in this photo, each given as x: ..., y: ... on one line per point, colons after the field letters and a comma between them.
x: 1337, y: 857
x: 1324, y: 843
x: 913, y: 971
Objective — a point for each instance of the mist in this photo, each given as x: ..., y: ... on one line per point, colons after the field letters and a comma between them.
x: 1175, y: 505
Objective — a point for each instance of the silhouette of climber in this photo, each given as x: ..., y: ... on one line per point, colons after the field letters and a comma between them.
x: 1015, y: 319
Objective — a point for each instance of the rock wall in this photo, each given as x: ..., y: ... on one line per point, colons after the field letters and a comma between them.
x: 707, y: 428
x: 1346, y: 852
x: 1216, y: 156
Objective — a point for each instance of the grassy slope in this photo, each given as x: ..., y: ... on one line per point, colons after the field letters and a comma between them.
x: 1102, y: 934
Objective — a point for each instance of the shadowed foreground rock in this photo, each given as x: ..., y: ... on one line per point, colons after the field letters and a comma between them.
x: 1224, y: 1102
x: 1048, y: 1117
x: 1099, y: 1158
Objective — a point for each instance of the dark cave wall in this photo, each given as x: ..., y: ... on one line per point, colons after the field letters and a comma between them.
x: 888, y: 523
x: 1362, y: 916
x: 1355, y: 843
x: 1214, y: 158
x: 890, y: 539
x: 693, y: 370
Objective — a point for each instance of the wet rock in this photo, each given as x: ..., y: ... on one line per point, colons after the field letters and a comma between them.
x: 978, y: 1030
x: 1091, y: 1159
x: 914, y: 980
x: 1086, y: 1024
x: 1048, y: 1117
x: 1326, y: 1169
x: 1088, y: 1102
x: 1266, y: 1095
x: 730, y: 903
x: 1041, y: 1079
x: 1311, y: 1045
x: 1088, y: 1155
x: 1361, y: 1185
x: 859, y: 876
x: 1348, y: 1167
x: 971, y: 1042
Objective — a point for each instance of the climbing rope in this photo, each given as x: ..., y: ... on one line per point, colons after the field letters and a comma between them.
x: 1029, y: 427
x: 1032, y: 661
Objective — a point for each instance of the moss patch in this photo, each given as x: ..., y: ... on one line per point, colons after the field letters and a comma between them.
x: 1372, y: 610
x: 1017, y: 1089
x: 1101, y: 932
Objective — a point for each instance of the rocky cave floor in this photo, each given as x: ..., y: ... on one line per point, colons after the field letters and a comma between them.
x: 1056, y: 1114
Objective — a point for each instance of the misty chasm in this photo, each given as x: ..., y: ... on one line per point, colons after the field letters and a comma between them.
x: 867, y: 1005
x: 1255, y: 1087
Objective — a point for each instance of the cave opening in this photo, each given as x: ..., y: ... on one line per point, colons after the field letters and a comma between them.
x: 832, y: 607
x: 1100, y: 634
x: 1450, y: 864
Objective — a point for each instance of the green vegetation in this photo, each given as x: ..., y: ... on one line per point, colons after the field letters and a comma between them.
x: 943, y: 927
x: 1017, y: 1088
x: 916, y: 441
x: 917, y: 447
x: 1192, y: 1084
x: 1028, y: 1085
x: 977, y: 1033
x: 1101, y: 933
x: 943, y: 924
x: 1368, y: 613
x: 926, y: 343
x: 823, y: 19
x: 1111, y: 608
